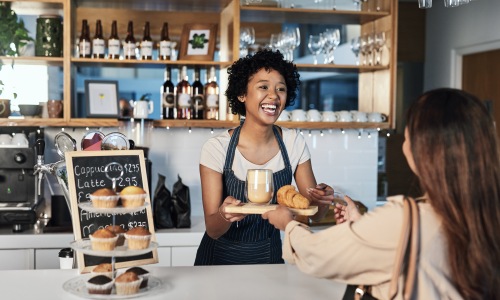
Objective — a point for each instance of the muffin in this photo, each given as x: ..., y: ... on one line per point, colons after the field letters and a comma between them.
x: 103, y: 239
x: 127, y: 283
x: 103, y: 269
x: 104, y: 198
x: 132, y: 196
x: 119, y: 231
x: 142, y: 273
x: 99, y: 284
x: 138, y: 238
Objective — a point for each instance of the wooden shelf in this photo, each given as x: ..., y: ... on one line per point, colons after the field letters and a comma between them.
x: 32, y: 60
x: 39, y: 122
x: 333, y: 125
x: 145, y: 63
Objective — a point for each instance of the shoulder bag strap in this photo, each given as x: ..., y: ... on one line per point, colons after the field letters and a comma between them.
x: 409, y: 236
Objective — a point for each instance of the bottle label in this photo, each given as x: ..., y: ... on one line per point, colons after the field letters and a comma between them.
x: 84, y: 48
x: 198, y: 101
x: 165, y: 48
x: 168, y: 100
x: 98, y: 46
x: 114, y: 47
x: 212, y: 100
x: 146, y: 48
x: 129, y: 49
x: 184, y: 100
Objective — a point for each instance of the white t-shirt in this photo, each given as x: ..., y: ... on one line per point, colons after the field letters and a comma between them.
x: 213, y: 154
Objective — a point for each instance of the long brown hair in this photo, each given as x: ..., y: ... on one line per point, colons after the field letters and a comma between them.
x: 454, y: 145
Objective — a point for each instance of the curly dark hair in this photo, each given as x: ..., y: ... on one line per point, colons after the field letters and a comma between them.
x: 243, y: 69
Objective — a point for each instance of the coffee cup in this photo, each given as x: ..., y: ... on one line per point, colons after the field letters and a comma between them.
x: 313, y: 115
x: 55, y: 108
x: 299, y: 115
x: 4, y: 108
x: 359, y: 116
x: 44, y: 112
x: 142, y: 108
x: 20, y: 139
x: 284, y: 116
x: 344, y: 116
x: 5, y: 139
x: 328, y: 116
x: 376, y: 117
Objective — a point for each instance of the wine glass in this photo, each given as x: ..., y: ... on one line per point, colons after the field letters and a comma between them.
x: 247, y: 38
x: 315, y: 45
x: 355, y: 45
x: 332, y: 40
x: 379, y: 44
x: 259, y: 186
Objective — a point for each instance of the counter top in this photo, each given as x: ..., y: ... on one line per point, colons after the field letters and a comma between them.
x: 206, y: 282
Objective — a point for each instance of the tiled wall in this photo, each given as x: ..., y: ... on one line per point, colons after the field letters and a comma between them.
x: 347, y: 161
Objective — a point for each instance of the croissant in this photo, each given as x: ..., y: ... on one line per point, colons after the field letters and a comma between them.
x: 288, y: 196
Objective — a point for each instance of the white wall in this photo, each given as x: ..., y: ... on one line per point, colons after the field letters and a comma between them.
x: 344, y: 161
x: 449, y: 29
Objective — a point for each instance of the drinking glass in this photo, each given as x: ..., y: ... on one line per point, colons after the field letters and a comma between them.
x: 332, y: 40
x: 259, y: 186
x: 379, y: 44
x: 247, y: 38
x: 355, y: 45
x: 315, y: 45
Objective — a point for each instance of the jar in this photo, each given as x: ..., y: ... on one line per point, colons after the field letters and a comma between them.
x: 49, y: 36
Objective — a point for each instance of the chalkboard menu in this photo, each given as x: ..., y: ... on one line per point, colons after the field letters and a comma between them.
x: 89, y: 171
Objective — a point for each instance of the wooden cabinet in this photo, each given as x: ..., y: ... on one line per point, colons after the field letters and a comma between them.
x: 376, y: 83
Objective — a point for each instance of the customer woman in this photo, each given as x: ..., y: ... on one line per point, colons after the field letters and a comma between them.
x: 451, y: 145
x: 260, y: 87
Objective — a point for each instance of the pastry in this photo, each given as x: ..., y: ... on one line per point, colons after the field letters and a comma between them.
x: 103, y: 239
x: 99, y: 284
x: 127, y: 283
x: 103, y: 269
x: 288, y: 196
x: 104, y: 198
x: 120, y: 232
x: 142, y: 273
x: 138, y: 238
x: 132, y: 196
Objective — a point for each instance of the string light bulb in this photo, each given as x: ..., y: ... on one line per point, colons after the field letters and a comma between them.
x: 189, y: 130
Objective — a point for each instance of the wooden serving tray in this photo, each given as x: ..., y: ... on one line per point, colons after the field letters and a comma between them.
x: 249, y: 208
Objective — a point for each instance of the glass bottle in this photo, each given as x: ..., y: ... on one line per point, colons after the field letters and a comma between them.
x: 114, y: 42
x: 165, y: 43
x: 129, y: 44
x: 98, y: 41
x: 212, y: 96
x: 168, y: 96
x: 197, y: 95
x: 84, y: 46
x: 146, y: 44
x: 184, y: 96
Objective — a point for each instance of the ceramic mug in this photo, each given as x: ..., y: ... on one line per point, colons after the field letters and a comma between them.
x: 4, y: 108
x: 55, y: 108
x: 142, y: 108
x: 328, y: 116
x: 359, y: 116
x: 376, y: 117
x: 299, y: 115
x: 313, y: 115
x: 344, y: 116
x: 284, y: 116
x: 44, y: 110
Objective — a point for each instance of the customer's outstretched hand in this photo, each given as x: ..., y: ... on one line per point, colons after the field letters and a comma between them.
x: 347, y: 212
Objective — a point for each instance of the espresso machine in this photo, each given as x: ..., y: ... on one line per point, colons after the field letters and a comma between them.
x: 21, y: 201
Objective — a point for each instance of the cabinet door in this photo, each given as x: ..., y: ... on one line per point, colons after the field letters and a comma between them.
x: 18, y: 259
x: 164, y: 256
x: 47, y: 259
x: 183, y: 256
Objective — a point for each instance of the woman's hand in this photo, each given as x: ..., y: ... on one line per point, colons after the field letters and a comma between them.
x: 321, y: 195
x: 347, y: 212
x: 228, y: 216
x: 280, y: 217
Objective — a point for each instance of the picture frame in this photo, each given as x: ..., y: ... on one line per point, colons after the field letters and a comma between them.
x: 102, y: 99
x: 198, y: 42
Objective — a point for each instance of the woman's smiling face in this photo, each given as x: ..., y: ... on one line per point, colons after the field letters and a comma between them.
x: 266, y: 96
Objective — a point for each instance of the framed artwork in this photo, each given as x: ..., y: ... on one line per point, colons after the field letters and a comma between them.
x: 198, y: 42
x: 102, y: 99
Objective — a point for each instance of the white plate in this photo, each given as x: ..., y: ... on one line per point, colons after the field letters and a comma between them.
x: 115, y: 210
x: 77, y: 286
x: 85, y: 247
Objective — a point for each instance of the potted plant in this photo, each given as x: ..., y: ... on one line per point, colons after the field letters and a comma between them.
x: 13, y: 33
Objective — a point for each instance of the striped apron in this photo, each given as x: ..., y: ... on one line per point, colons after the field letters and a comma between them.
x: 252, y: 240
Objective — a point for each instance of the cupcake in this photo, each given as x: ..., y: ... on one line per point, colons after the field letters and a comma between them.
x: 119, y: 231
x: 142, y: 273
x: 103, y: 269
x: 103, y: 239
x: 104, y: 198
x: 127, y: 283
x: 99, y: 284
x: 132, y: 196
x: 138, y: 238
